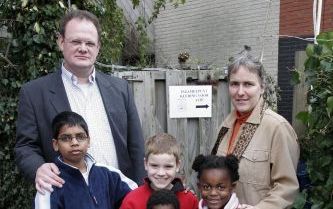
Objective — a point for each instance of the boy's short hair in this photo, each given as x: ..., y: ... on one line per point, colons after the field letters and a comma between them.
x: 163, y: 197
x: 70, y: 119
x: 162, y: 143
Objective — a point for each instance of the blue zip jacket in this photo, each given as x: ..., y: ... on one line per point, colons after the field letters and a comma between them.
x: 106, y: 188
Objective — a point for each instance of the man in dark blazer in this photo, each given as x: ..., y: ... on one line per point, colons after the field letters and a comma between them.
x: 41, y: 99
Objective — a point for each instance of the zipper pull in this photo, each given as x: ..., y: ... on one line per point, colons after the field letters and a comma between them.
x: 95, y: 200
x: 93, y: 196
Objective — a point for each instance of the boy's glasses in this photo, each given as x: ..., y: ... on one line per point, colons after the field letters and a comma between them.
x: 81, y: 137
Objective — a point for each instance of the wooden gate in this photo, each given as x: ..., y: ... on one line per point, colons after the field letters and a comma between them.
x: 195, y: 135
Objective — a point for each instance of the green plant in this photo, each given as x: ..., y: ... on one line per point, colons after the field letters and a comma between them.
x: 144, y: 42
x: 29, y: 51
x: 317, y: 143
x: 158, y: 4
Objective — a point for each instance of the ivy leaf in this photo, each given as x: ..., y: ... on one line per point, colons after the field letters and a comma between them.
x: 135, y: 3
x: 327, y: 66
x: 311, y: 64
x: 295, y: 78
x: 327, y: 49
x: 309, y: 50
x: 330, y: 105
x: 325, y: 160
x: 330, y: 35
x: 24, y: 3
x: 318, y: 49
x: 61, y: 4
x: 36, y: 39
x: 324, y: 94
x: 326, y: 144
x: 4, y: 81
x: 330, y: 39
x: 318, y: 205
x: 303, y: 116
x: 36, y: 27
x: 330, y: 178
x: 322, y: 38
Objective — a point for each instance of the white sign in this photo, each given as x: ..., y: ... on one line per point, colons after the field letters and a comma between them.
x: 190, y: 101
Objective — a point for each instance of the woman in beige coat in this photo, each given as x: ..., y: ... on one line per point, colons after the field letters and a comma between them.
x: 263, y: 140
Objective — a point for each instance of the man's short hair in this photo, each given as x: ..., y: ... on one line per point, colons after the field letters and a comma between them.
x: 81, y: 15
x: 162, y: 143
x: 163, y: 197
x: 70, y: 119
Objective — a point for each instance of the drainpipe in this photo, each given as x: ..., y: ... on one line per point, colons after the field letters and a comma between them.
x: 317, y: 9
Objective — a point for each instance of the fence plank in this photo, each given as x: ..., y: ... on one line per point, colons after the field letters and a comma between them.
x: 178, y: 127
x: 195, y: 135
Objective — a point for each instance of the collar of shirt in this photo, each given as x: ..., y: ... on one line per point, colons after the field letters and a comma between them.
x: 73, y: 78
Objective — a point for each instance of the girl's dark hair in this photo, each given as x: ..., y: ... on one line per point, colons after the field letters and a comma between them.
x: 230, y: 162
x: 70, y: 119
x: 163, y: 197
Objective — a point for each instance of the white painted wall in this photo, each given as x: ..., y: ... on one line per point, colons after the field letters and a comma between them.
x: 213, y: 30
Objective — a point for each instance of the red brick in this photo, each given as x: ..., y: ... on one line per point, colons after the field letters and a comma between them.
x: 296, y: 17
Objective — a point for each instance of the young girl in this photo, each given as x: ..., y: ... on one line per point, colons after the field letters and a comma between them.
x: 217, y: 176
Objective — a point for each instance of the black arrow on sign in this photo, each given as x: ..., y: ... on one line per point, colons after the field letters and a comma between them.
x: 201, y: 106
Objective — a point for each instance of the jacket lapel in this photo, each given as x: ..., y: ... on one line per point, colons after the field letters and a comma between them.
x: 58, y: 96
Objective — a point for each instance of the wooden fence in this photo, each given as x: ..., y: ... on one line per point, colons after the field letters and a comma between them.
x: 195, y: 135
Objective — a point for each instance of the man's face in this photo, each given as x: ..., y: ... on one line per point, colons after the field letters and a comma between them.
x: 80, y: 46
x: 161, y: 170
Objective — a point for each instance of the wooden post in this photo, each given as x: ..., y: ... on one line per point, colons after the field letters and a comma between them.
x: 299, y: 94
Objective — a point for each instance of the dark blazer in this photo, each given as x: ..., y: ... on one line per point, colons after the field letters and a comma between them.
x: 42, y: 99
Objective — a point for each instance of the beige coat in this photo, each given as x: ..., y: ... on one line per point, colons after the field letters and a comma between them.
x: 268, y: 165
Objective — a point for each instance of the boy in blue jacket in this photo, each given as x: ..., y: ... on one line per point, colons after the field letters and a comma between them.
x: 87, y: 184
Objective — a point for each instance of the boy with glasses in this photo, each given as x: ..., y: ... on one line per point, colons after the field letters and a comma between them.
x: 88, y: 184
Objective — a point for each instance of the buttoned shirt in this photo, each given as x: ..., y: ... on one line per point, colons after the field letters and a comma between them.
x: 85, y: 99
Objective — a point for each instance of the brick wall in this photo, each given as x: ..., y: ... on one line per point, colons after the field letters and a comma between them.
x: 296, y: 17
x: 213, y: 30
x: 296, y: 20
